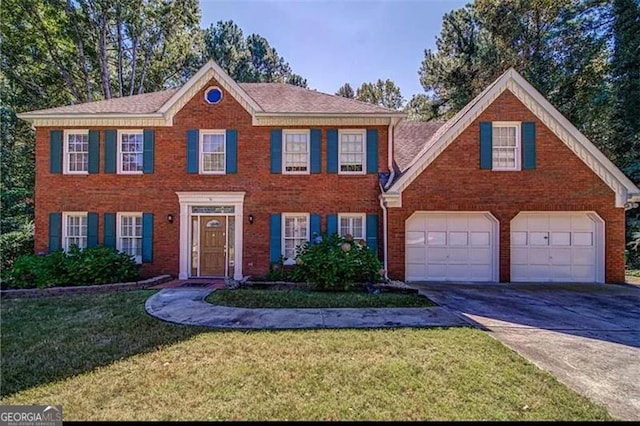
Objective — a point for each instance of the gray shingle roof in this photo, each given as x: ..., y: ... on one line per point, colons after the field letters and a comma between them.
x: 271, y: 97
x: 410, y: 138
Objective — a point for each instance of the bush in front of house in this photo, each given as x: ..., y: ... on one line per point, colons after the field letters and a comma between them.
x: 332, y: 262
x: 94, y: 265
x: 15, y: 243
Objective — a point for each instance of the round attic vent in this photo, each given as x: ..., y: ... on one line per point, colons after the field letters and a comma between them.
x: 213, y: 95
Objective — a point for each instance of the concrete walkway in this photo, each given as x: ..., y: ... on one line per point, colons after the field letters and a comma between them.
x: 187, y: 306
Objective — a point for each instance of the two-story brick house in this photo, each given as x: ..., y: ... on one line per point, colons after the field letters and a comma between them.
x: 218, y: 178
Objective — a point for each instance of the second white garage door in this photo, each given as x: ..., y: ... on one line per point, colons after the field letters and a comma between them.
x: 557, y: 247
x: 451, y: 246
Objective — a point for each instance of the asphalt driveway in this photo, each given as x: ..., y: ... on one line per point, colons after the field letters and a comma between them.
x: 587, y: 336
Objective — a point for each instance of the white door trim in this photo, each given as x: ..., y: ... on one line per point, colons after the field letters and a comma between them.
x: 599, y: 237
x: 495, y: 229
x: 189, y: 199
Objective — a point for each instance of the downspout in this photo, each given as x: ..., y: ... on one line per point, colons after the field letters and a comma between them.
x: 383, y: 205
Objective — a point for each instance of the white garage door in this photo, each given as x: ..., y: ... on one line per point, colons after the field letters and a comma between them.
x: 555, y: 247
x: 451, y: 246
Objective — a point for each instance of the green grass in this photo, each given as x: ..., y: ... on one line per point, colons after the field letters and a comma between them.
x: 632, y: 272
x: 258, y: 298
x: 103, y: 358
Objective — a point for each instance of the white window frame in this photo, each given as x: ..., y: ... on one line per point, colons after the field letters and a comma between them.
x: 362, y: 216
x: 518, y: 147
x: 119, y: 150
x: 65, y: 236
x: 362, y: 132
x: 66, y: 153
x: 284, y: 229
x: 307, y: 133
x: 204, y: 132
x: 119, y: 216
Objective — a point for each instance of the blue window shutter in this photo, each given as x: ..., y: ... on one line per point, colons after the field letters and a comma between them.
x: 109, y: 230
x: 55, y: 231
x: 372, y: 232
x: 110, y: 151
x: 232, y: 151
x: 193, y: 148
x: 332, y: 224
x: 55, y: 151
x: 314, y: 225
x: 94, y: 151
x: 332, y: 151
x: 92, y: 229
x: 147, y: 237
x: 529, y: 145
x: 276, y: 151
x: 372, y: 151
x: 275, y: 233
x: 316, y: 151
x: 148, y: 153
x: 486, y: 142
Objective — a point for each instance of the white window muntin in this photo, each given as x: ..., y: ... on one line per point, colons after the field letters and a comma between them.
x: 76, y: 152
x: 130, y: 151
x: 506, y: 145
x: 296, y: 152
x: 129, y: 234
x: 295, y: 232
x: 74, y: 230
x: 352, y: 152
x: 213, y: 151
x: 354, y: 224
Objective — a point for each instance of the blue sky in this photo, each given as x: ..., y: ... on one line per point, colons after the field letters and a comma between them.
x: 332, y: 42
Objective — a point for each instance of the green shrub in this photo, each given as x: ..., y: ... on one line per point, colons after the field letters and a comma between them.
x: 332, y: 262
x: 95, y: 265
x: 15, y: 244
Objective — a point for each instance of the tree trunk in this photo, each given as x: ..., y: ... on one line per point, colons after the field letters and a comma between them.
x: 81, y: 56
x: 120, y: 48
x: 104, y: 64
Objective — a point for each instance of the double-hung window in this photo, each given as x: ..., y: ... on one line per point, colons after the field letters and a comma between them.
x: 295, y: 233
x: 352, y: 224
x: 130, y: 151
x: 506, y: 146
x: 352, y: 152
x: 212, y: 151
x: 295, y: 151
x: 74, y: 230
x: 129, y: 241
x: 76, y: 151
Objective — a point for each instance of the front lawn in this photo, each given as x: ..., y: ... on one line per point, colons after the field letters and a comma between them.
x: 295, y: 298
x: 103, y: 358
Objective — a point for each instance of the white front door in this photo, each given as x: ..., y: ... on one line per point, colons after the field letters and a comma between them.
x: 451, y: 246
x: 555, y: 247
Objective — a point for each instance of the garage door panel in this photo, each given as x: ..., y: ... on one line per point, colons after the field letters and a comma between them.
x: 415, y: 254
x: 436, y: 254
x: 457, y: 247
x: 553, y: 247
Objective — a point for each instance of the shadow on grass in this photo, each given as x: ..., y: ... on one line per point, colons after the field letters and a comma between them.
x: 49, y: 339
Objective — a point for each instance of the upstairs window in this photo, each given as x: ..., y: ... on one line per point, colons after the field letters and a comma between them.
x: 506, y: 146
x: 130, y: 151
x: 76, y: 152
x: 212, y: 151
x: 75, y: 230
x: 352, y: 152
x: 295, y: 152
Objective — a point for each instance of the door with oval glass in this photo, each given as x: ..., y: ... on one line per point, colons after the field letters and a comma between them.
x: 213, y: 240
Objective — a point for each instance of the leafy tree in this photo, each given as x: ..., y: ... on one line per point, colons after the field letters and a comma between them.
x: 422, y: 108
x: 250, y: 60
x: 346, y: 91
x: 383, y: 92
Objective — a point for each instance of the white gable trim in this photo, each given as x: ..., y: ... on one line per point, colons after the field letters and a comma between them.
x: 198, y: 81
x: 624, y: 189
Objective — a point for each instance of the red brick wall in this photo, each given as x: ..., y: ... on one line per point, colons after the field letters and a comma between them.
x: 266, y: 193
x: 561, y: 182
